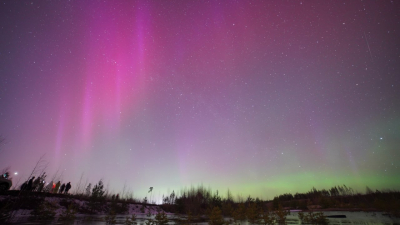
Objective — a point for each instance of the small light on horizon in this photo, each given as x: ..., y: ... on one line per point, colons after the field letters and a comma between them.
x: 16, y: 173
x: 381, y: 138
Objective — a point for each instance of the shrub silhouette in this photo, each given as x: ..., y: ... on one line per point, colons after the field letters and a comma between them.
x: 131, y: 220
x: 97, y: 199
x: 239, y: 214
x: 45, y: 211
x: 216, y: 217
x: 268, y: 218
x: 161, y: 218
x: 5, y: 210
x: 119, y: 208
x: 110, y: 218
x: 280, y: 215
x: 227, y: 208
x: 253, y: 213
x: 313, y: 218
x: 69, y: 214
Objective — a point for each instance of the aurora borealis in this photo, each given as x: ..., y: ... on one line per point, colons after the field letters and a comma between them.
x: 261, y: 97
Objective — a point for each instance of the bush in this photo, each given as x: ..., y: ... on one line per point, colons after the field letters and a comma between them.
x: 110, y: 218
x: 149, y: 222
x: 313, y: 218
x: 97, y: 199
x: 130, y: 221
x: 69, y: 214
x: 280, y: 215
x: 161, y: 218
x: 227, y: 209
x: 5, y: 211
x: 216, y: 217
x: 142, y: 209
x: 239, y: 214
x: 253, y: 213
x: 326, y: 202
x: 119, y: 208
x: 268, y: 218
x: 275, y: 203
x: 45, y: 211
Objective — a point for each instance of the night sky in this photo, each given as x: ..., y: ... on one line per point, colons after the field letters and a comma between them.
x: 261, y: 97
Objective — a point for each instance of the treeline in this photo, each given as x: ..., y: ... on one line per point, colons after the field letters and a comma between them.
x: 196, y: 202
x: 201, y: 201
x: 342, y: 197
x: 313, y: 193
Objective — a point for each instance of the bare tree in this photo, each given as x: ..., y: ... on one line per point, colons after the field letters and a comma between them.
x: 57, y: 177
x: 2, y: 139
x: 40, y: 165
x: 123, y: 191
x: 85, y: 185
x: 5, y: 171
x: 16, y: 185
x: 78, y: 186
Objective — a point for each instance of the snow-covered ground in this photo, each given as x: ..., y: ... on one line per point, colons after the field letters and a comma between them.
x: 21, y: 216
x: 368, y: 218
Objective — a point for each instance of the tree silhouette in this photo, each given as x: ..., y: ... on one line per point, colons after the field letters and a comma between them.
x: 2, y: 141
